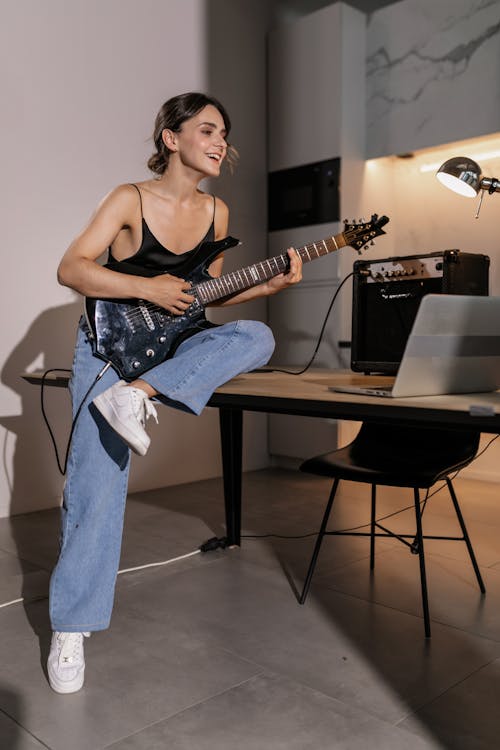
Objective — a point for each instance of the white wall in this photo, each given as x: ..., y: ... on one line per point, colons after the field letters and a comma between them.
x: 81, y: 83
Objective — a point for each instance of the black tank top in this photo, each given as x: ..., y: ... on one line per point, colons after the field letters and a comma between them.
x: 152, y: 257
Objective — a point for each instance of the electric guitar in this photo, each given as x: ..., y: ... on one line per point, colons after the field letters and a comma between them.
x: 136, y: 335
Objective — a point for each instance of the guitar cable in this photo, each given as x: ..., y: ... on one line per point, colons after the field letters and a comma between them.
x: 62, y: 468
x: 320, y: 337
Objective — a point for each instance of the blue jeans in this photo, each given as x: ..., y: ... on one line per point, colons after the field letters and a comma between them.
x: 83, y: 582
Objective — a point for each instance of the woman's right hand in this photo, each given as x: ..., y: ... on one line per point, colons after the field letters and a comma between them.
x: 169, y: 292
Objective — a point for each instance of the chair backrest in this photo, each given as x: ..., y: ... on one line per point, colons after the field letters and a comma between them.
x: 382, y: 446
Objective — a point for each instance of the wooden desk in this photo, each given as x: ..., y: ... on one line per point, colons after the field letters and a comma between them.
x: 309, y: 395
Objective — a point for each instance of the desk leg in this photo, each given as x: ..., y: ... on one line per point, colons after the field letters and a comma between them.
x: 231, y: 432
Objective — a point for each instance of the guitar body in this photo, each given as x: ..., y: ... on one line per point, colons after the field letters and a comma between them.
x: 135, y: 335
x: 135, y: 342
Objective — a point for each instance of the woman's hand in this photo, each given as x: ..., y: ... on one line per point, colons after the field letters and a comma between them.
x: 282, y: 281
x: 169, y: 292
x: 293, y: 276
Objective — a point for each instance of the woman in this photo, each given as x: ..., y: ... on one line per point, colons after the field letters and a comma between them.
x: 156, y: 224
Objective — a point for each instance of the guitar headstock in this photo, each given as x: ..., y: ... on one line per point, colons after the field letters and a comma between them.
x: 360, y: 235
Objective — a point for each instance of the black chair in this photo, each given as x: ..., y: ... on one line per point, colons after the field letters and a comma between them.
x: 414, y: 457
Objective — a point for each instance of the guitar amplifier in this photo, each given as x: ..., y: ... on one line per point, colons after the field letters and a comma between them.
x: 387, y: 294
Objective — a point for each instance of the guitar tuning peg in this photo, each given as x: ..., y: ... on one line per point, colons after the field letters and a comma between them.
x: 372, y: 242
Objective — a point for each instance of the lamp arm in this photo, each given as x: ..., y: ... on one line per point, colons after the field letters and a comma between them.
x: 491, y: 184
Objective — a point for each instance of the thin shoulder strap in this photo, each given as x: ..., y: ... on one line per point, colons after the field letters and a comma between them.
x: 140, y: 196
x: 213, y: 217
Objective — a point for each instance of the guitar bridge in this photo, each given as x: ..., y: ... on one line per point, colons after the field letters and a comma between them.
x: 146, y: 315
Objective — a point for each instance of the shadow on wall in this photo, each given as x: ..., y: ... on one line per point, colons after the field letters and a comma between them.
x: 32, y: 475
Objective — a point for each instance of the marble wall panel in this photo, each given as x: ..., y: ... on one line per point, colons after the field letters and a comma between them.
x: 433, y: 73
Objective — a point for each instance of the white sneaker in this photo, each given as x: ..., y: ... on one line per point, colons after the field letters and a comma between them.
x: 66, y: 665
x: 126, y: 410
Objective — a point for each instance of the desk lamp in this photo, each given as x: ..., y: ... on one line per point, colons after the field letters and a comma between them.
x: 463, y: 176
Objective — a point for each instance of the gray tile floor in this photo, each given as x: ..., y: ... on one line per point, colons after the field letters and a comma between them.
x: 214, y: 651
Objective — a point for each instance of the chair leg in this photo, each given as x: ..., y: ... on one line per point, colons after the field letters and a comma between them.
x: 372, y: 527
x: 319, y: 540
x: 466, y: 535
x: 423, y: 579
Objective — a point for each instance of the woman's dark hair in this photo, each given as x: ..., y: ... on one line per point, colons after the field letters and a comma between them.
x: 172, y: 114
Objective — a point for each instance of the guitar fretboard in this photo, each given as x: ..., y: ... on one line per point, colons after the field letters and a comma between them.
x: 237, y: 281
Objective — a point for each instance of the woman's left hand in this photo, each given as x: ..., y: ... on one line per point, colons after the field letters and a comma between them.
x: 274, y: 285
x: 293, y: 276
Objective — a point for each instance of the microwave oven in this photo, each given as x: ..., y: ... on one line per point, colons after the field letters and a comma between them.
x: 304, y: 195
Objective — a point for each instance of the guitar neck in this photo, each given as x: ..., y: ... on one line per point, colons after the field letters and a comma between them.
x: 237, y: 281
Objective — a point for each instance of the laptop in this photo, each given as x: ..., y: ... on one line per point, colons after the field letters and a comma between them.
x: 453, y: 347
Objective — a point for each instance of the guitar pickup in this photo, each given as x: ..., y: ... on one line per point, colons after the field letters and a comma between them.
x: 194, y: 309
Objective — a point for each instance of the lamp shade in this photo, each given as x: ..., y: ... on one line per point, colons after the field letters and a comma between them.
x: 461, y: 174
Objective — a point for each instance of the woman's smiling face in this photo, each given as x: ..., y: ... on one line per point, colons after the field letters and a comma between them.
x: 201, y: 142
